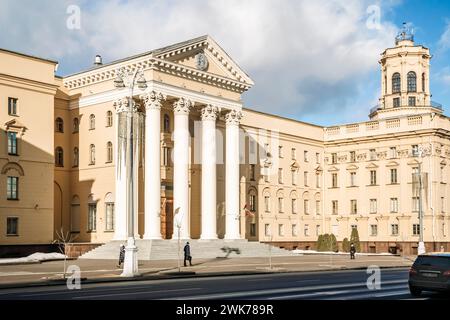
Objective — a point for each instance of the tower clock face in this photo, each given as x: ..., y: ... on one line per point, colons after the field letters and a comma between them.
x: 201, y: 62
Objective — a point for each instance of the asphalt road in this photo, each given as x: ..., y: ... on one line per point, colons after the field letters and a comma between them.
x: 336, y: 285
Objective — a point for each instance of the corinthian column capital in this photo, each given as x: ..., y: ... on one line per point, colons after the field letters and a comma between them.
x: 153, y: 100
x: 182, y: 106
x: 233, y: 117
x: 121, y: 105
x: 210, y: 112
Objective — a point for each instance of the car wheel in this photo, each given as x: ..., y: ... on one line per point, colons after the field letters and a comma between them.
x: 415, y: 291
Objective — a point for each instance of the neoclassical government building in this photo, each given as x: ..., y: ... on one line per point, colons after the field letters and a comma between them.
x: 232, y: 172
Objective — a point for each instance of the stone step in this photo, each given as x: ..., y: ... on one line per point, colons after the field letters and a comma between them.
x: 168, y: 249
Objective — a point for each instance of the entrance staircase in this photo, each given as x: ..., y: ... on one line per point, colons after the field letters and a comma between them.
x: 200, y: 249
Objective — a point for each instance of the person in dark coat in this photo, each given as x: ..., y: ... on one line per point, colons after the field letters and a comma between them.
x: 187, y: 254
x: 121, y: 255
x: 352, y: 251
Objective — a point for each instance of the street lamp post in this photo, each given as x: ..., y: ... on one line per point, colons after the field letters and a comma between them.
x: 129, y: 134
x: 421, y: 249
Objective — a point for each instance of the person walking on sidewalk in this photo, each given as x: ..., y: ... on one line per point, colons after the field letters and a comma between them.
x: 352, y: 251
x: 121, y: 255
x: 187, y: 254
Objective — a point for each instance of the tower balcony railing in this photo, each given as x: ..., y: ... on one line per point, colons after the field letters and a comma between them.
x: 433, y: 104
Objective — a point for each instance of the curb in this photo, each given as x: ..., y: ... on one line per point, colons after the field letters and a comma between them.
x: 183, y: 275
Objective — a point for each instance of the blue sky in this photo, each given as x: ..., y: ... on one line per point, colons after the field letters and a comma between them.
x: 315, y: 61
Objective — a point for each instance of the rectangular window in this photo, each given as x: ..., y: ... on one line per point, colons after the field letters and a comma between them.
x: 12, y: 143
x: 167, y: 157
x: 394, y: 205
x: 394, y: 176
x: 352, y: 179
x: 373, y: 177
x: 317, y: 158
x: 415, y: 150
x: 306, y: 206
x: 442, y: 204
x: 334, y: 180
x: 305, y: 178
x: 373, y: 230
x: 333, y: 158
x: 396, y: 102
x: 252, y: 229
x: 416, y: 229
x: 252, y: 172
x: 373, y: 154
x: 306, y: 230
x: 442, y: 175
x: 334, y: 206
x: 280, y: 151
x: 267, y: 149
x: 394, y: 229
x: 12, y: 188
x: 252, y: 203
x: 281, y: 230
x: 294, y: 177
x: 294, y: 230
x: 373, y: 206
x: 252, y: 149
x: 280, y: 175
x: 266, y: 178
x: 317, y: 207
x: 393, y: 152
x: 293, y: 154
x: 294, y: 206
x: 415, y: 204
x: 267, y: 232
x: 305, y: 156
x: 267, y: 203
x: 92, y: 217
x: 12, y: 106
x: 317, y: 180
x: 353, y: 206
x: 109, y: 216
x: 412, y: 101
x: 280, y: 205
x: 352, y: 156
x: 12, y: 226
x: 318, y: 230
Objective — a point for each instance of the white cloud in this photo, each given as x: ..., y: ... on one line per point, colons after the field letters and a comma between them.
x: 444, y: 41
x: 303, y: 55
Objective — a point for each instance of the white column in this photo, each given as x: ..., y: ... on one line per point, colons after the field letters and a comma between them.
x: 209, y: 222
x: 181, y: 110
x: 153, y: 102
x: 232, y: 176
x: 120, y: 206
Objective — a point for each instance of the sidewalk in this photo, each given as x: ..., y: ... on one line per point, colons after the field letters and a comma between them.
x: 93, y: 271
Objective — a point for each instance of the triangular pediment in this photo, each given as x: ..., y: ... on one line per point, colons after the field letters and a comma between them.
x: 14, y: 125
x: 218, y: 61
x: 333, y: 168
x: 352, y: 167
x: 443, y: 163
x: 295, y: 165
x: 413, y: 162
x: 392, y: 164
x: 371, y: 166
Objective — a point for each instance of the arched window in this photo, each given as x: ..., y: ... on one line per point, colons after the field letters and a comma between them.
x: 59, y: 157
x: 91, y: 122
x: 109, y: 205
x: 109, y: 152
x: 423, y: 82
x: 396, y: 83
x: 92, y: 154
x: 412, y: 82
x: 59, y: 125
x: 76, y: 125
x: 166, y: 123
x: 76, y: 157
x: 109, y: 119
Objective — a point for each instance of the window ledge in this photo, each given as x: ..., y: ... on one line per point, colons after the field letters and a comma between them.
x: 108, y: 231
x: 12, y: 235
x: 91, y: 231
x: 373, y: 185
x: 393, y: 184
x: 352, y: 186
x: 108, y: 162
x: 12, y: 199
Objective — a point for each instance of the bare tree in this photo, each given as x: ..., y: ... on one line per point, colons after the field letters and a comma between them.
x: 63, y: 239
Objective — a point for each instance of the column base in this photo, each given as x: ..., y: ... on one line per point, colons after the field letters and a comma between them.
x: 421, y: 249
x: 152, y: 237
x: 130, y: 266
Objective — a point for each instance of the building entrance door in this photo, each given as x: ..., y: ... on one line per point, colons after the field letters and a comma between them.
x: 167, y: 218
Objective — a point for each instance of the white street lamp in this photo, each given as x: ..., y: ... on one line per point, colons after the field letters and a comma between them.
x: 129, y: 136
x: 178, y: 218
x: 422, y: 152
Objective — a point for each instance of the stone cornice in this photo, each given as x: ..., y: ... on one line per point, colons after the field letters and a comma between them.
x: 108, y: 73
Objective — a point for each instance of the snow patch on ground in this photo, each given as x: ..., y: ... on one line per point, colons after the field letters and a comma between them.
x: 298, y: 251
x: 35, y: 257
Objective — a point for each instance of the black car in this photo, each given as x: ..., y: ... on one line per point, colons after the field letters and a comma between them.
x: 430, y: 272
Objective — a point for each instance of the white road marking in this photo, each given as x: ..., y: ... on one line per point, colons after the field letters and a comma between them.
x: 132, y: 293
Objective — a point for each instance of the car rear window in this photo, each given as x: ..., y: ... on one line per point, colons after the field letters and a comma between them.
x: 441, y: 262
